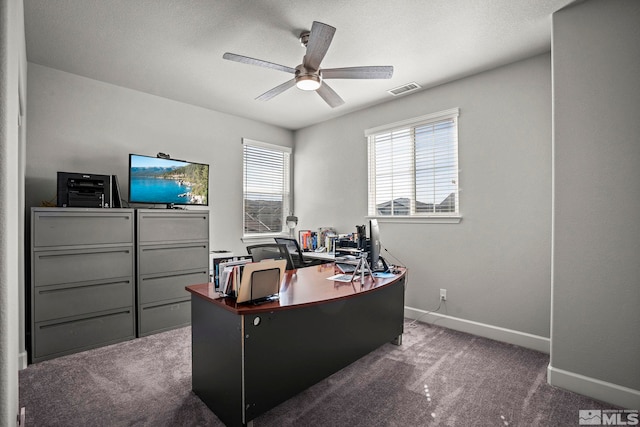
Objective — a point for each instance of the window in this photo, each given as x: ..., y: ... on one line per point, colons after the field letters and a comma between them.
x: 266, y: 187
x: 413, y: 167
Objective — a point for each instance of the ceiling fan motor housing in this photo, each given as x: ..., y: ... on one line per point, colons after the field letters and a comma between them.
x: 307, y: 79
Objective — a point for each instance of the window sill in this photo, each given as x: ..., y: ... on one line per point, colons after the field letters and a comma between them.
x: 262, y: 237
x: 418, y: 219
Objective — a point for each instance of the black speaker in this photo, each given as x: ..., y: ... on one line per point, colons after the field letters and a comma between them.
x: 116, y: 198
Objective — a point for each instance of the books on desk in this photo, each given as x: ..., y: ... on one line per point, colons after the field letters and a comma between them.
x: 228, y: 273
x: 220, y: 261
x: 252, y: 281
x: 310, y: 240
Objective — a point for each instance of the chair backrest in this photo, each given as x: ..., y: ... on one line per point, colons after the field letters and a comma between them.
x: 270, y: 251
x: 293, y: 247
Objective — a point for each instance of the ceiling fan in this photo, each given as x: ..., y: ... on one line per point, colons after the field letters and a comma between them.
x: 308, y: 75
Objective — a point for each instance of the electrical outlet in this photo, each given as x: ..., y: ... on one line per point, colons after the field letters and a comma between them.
x: 443, y: 294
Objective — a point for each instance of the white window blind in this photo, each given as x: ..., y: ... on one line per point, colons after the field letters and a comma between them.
x: 266, y: 184
x: 413, y: 167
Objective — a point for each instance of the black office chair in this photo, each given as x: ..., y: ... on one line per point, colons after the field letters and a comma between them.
x: 271, y: 251
x: 296, y: 253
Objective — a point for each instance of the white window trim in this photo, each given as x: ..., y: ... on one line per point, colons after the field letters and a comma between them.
x: 443, y: 219
x: 261, y: 238
x: 432, y: 218
x: 434, y: 117
x: 267, y: 145
x: 268, y: 237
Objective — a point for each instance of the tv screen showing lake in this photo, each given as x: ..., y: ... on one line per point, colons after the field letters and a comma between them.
x: 184, y: 185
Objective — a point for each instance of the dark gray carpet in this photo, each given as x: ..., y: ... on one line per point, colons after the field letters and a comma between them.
x: 438, y: 377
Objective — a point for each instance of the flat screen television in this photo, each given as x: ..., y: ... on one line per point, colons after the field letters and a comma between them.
x: 159, y: 180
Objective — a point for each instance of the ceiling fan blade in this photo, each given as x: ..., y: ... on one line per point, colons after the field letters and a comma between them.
x: 329, y: 95
x: 276, y: 90
x: 319, y: 40
x: 372, y: 72
x: 258, y: 62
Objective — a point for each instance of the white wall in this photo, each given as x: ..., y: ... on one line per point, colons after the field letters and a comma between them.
x: 12, y: 85
x: 82, y: 125
x: 495, y: 264
x: 596, y: 261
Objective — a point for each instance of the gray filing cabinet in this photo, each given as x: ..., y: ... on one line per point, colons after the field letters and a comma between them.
x: 82, y: 279
x: 172, y: 252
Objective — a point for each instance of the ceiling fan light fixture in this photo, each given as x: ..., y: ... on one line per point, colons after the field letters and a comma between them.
x: 308, y: 82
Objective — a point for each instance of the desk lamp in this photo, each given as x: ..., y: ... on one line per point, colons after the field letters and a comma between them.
x: 292, y: 221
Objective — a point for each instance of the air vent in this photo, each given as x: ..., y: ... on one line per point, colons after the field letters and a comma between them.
x: 401, y: 90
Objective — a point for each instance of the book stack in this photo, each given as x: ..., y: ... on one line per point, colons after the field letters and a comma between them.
x: 326, y: 237
x: 311, y: 240
x: 221, y: 258
x: 308, y: 240
x: 230, y: 273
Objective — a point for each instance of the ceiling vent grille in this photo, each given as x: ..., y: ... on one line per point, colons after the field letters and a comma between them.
x: 401, y: 90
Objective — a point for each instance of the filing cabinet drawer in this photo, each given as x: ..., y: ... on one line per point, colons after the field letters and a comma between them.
x: 163, y: 317
x: 166, y: 287
x: 68, y: 227
x: 156, y: 227
x: 72, y: 266
x: 178, y: 257
x: 55, y: 339
x: 60, y: 301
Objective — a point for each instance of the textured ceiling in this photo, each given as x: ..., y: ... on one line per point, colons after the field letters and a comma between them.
x: 174, y: 48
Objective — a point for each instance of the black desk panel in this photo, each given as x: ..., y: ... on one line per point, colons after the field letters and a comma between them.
x: 248, y: 359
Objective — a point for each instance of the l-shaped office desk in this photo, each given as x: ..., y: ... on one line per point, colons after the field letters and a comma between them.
x: 247, y: 358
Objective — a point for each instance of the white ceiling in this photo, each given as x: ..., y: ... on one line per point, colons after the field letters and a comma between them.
x: 174, y: 48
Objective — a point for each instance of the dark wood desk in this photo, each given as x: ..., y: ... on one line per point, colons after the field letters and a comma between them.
x: 249, y: 358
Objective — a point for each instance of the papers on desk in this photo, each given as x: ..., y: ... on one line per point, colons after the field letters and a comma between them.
x: 341, y: 278
x: 347, y: 277
x: 384, y: 275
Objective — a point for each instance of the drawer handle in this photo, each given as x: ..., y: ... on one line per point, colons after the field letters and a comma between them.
x: 171, y: 306
x: 83, y: 253
x: 160, y: 216
x: 88, y: 318
x: 174, y: 248
x: 174, y: 275
x: 43, y: 216
x: 50, y: 291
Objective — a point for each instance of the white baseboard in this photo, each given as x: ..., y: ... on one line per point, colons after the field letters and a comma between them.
x: 510, y: 336
x: 23, y: 360
x: 600, y: 390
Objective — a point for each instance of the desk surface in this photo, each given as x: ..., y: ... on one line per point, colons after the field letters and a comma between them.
x: 305, y: 286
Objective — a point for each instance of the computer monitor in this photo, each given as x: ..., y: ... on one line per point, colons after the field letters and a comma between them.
x: 374, y: 247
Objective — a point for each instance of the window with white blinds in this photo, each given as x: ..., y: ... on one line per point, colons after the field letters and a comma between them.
x: 266, y: 186
x: 413, y: 167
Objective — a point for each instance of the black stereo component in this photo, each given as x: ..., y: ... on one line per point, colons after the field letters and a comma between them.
x: 82, y: 190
